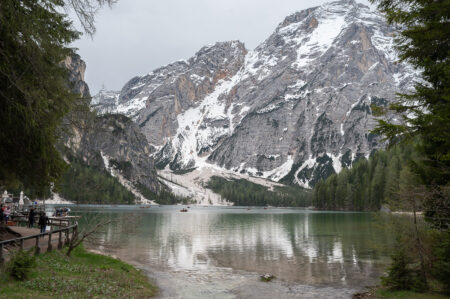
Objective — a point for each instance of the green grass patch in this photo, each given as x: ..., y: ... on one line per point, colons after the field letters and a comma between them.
x: 83, y: 275
x: 392, y: 294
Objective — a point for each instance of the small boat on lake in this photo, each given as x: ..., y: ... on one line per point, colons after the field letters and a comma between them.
x: 183, y: 210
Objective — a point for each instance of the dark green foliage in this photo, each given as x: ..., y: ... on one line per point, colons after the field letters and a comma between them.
x: 86, y: 184
x: 32, y: 193
x: 124, y: 167
x: 267, y: 277
x: 184, y: 171
x: 441, y: 253
x: 404, y: 273
x: 34, y: 89
x: 164, y: 197
x: 398, y: 276
x: 21, y: 264
x: 245, y: 193
x: 424, y: 42
x: 368, y: 184
x: 289, y: 178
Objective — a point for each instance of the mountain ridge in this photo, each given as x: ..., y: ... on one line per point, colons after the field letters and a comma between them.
x: 295, y: 109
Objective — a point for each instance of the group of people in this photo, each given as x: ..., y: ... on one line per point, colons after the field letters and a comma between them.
x: 43, y: 220
x: 5, y: 211
x: 61, y: 212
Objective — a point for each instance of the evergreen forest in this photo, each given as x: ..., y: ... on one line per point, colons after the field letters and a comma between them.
x: 242, y: 192
x: 84, y: 184
x: 369, y: 183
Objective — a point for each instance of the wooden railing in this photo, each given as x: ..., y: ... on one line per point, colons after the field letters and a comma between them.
x: 54, y: 221
x: 62, y: 240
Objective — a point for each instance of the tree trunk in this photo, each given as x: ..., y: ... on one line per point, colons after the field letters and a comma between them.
x: 419, y: 244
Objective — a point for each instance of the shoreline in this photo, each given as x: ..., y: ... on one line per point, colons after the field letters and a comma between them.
x: 198, y: 205
x: 84, y: 275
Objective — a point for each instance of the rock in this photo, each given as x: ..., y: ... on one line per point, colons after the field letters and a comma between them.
x: 296, y: 109
x: 111, y: 143
x: 267, y: 277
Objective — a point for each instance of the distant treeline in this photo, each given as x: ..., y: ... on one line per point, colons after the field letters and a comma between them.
x: 368, y: 184
x: 85, y: 184
x: 164, y: 197
x: 242, y: 192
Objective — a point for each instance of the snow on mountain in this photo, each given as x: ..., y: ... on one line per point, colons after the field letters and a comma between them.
x: 297, y: 108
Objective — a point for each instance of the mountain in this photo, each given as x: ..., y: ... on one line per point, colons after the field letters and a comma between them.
x: 107, y: 143
x: 295, y: 109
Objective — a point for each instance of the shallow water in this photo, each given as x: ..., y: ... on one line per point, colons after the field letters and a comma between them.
x: 219, y: 252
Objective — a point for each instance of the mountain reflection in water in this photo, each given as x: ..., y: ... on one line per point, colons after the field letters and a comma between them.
x: 297, y: 246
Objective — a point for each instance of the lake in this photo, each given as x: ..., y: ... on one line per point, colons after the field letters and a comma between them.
x: 219, y: 252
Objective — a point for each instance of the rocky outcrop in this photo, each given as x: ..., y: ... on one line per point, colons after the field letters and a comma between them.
x: 110, y: 142
x: 297, y: 108
x: 115, y: 143
x: 77, y: 67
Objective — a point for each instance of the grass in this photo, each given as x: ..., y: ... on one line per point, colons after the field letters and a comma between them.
x: 379, y: 292
x: 83, y: 275
x: 390, y: 294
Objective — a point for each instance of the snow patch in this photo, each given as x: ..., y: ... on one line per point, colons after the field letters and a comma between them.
x: 310, y: 163
x: 268, y: 108
x: 385, y: 45
x: 336, y: 162
x: 131, y: 107
x: 123, y: 181
x: 277, y: 173
x: 330, y: 25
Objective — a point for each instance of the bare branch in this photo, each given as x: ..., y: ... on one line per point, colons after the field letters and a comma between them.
x: 86, y: 11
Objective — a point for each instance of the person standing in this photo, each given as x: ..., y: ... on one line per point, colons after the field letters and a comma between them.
x: 31, y: 218
x: 43, y: 221
x: 6, y: 214
x: 1, y: 213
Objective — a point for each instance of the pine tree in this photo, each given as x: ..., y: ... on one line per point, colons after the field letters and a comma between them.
x: 424, y: 42
x: 34, y: 93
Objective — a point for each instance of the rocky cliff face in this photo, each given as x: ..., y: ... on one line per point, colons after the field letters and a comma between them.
x: 77, y: 67
x: 111, y: 142
x: 115, y: 143
x: 297, y: 108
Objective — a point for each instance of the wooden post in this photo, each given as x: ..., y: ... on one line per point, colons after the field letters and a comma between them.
x: 74, y: 232
x: 60, y: 244
x: 49, y: 246
x: 37, y: 249
x: 21, y: 244
x: 2, y: 259
x: 66, y: 241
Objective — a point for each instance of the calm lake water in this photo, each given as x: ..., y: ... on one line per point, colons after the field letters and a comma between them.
x: 219, y: 252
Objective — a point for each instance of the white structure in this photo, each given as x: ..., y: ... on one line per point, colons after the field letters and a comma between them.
x: 21, y: 198
x: 4, y: 196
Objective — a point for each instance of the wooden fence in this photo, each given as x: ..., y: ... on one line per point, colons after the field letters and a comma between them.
x: 63, y: 235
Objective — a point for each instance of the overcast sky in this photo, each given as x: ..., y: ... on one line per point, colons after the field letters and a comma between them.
x: 137, y: 36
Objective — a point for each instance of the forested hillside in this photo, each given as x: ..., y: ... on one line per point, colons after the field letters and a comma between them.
x: 368, y: 184
x: 245, y: 193
x: 86, y: 184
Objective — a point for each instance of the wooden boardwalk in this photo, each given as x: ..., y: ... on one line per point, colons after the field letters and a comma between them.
x: 30, y: 243
x: 31, y: 238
